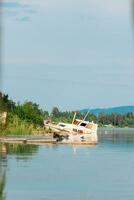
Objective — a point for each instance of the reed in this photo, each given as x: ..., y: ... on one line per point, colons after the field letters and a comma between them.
x: 18, y: 127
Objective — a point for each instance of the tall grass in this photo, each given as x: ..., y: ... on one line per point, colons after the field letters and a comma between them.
x: 18, y: 127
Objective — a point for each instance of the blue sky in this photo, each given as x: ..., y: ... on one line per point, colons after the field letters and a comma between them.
x: 67, y: 53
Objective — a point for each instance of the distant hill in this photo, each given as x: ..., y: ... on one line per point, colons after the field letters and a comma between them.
x: 119, y: 110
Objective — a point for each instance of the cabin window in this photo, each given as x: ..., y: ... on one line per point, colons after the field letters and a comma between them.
x: 62, y: 125
x: 83, y: 124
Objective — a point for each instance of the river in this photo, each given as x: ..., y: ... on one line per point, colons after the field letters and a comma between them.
x: 63, y: 172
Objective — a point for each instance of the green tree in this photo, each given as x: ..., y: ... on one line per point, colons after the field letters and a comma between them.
x: 55, y: 112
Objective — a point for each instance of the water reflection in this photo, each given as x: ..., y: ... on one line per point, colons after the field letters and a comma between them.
x: 3, y: 166
x: 116, y: 135
x: 2, y: 185
x: 20, y: 150
x: 103, y: 171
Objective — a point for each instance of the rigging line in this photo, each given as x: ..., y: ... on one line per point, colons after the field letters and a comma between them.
x: 86, y: 115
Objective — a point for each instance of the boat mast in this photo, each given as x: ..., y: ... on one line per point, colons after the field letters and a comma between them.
x: 74, y: 117
x: 86, y: 116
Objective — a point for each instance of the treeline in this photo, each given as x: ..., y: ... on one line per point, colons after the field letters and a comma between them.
x: 113, y: 119
x: 28, y: 116
x: 116, y: 120
x: 21, y: 118
x: 67, y: 116
x: 27, y: 111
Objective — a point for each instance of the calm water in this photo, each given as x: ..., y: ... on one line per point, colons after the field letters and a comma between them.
x: 63, y: 172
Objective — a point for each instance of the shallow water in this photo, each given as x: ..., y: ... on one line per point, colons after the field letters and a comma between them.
x: 57, y: 172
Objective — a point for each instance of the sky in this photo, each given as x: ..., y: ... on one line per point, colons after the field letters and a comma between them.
x: 72, y: 54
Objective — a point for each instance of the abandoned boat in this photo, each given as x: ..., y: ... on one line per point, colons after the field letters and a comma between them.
x: 78, y: 132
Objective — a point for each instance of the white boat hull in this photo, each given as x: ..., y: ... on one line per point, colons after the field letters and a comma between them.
x: 81, y: 139
x: 78, y: 136
x: 77, y: 132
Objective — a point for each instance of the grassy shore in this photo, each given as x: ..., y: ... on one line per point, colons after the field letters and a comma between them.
x: 20, y: 127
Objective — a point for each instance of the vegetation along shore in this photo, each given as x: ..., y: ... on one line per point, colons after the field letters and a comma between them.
x: 28, y: 118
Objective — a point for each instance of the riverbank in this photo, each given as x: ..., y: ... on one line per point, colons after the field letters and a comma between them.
x: 28, y: 139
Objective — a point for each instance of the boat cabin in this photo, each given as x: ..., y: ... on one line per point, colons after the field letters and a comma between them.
x: 79, y: 123
x: 86, y: 124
